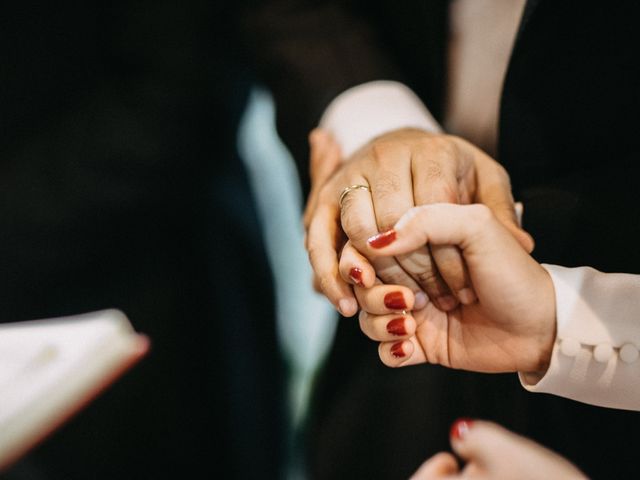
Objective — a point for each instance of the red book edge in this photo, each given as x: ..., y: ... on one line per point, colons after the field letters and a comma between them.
x: 142, y: 348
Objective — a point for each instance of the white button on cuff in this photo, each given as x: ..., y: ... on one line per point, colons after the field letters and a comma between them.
x: 603, y: 352
x: 629, y: 353
x: 570, y: 347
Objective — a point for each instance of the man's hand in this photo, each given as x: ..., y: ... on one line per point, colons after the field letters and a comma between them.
x: 403, y: 168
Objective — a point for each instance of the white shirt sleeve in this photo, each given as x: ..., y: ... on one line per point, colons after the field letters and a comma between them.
x: 361, y: 113
x: 595, y: 357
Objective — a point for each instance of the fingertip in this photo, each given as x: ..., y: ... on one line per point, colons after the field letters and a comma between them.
x: 420, y: 301
x: 348, y: 307
x: 479, y: 439
x: 460, y: 429
x: 399, y: 299
x: 368, y: 280
x: 446, y: 302
x: 358, y: 275
x: 442, y: 463
x: 355, y: 275
x: 467, y: 296
x: 355, y: 268
x: 393, y: 354
x: 401, y: 350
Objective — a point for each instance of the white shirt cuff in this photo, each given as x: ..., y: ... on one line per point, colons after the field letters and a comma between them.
x: 366, y: 111
x: 595, y: 357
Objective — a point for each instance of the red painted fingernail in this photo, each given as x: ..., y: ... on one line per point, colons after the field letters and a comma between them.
x: 460, y: 428
x: 397, y: 351
x: 395, y: 301
x: 382, y: 239
x: 396, y: 327
x: 356, y: 275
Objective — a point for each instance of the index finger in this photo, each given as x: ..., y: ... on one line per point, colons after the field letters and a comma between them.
x: 322, y: 248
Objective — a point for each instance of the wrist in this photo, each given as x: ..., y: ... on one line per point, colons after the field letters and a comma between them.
x: 546, y: 319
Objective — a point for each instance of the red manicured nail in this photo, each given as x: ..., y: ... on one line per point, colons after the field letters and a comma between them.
x: 356, y: 275
x: 382, y: 239
x: 395, y: 301
x: 397, y: 351
x: 460, y: 428
x: 396, y: 327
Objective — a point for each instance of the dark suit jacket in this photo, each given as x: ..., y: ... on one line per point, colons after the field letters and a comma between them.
x: 568, y: 139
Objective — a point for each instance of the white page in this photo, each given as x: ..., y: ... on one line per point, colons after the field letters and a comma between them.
x: 50, y: 368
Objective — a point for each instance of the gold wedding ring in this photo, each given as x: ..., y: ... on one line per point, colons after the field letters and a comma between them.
x: 350, y: 189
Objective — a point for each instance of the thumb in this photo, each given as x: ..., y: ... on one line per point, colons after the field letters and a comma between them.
x: 439, y: 224
x: 479, y: 442
x: 441, y: 465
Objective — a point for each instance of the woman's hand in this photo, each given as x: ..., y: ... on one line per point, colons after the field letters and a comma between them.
x: 510, y: 328
x: 493, y: 453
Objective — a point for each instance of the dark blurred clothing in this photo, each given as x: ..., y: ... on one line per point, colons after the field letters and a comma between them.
x: 566, y: 136
x: 120, y: 186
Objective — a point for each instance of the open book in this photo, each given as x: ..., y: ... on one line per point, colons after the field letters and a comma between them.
x: 50, y: 369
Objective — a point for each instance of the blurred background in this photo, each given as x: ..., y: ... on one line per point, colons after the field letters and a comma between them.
x: 140, y: 169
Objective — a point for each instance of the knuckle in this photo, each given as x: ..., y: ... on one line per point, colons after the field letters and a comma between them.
x: 384, y: 151
x: 417, y: 261
x: 317, y: 256
x: 441, y: 190
x: 355, y: 229
x: 387, y: 183
x: 429, y: 278
x: 433, y: 170
x: 452, y: 140
x: 446, y: 192
x: 393, y: 274
x: 380, y: 150
x: 437, y: 142
x: 444, y: 145
x: 325, y: 282
x: 312, y: 253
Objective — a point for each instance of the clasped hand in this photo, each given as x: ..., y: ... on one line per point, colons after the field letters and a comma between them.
x: 488, y: 305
